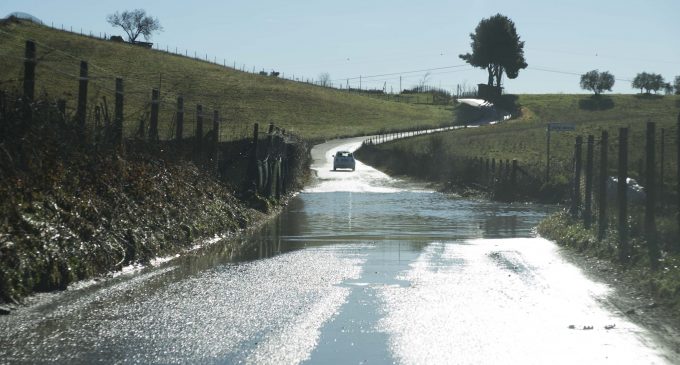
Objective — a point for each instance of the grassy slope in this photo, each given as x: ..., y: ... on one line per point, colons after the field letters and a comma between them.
x: 242, y: 98
x: 525, y: 137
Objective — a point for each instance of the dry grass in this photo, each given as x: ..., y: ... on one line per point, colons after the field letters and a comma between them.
x: 242, y: 98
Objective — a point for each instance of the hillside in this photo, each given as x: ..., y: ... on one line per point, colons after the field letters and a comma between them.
x: 524, y: 138
x: 242, y: 98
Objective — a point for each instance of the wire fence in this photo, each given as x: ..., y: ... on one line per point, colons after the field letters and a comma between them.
x: 630, y: 193
x: 356, y: 85
x: 113, y: 117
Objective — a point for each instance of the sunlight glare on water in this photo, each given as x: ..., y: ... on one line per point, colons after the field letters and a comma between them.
x: 507, y: 301
x: 358, y: 268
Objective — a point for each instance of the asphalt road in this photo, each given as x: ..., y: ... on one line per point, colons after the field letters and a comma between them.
x: 359, y: 268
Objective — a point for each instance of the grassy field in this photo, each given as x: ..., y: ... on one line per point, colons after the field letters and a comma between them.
x: 524, y: 138
x: 242, y: 98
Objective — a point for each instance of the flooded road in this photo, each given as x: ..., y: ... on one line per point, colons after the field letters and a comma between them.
x: 359, y: 268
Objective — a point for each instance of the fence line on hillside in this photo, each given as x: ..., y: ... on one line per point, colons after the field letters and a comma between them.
x: 268, y: 169
x: 617, y: 203
x: 393, y: 135
x: 205, y: 57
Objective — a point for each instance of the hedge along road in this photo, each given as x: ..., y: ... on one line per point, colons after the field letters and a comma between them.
x: 360, y: 267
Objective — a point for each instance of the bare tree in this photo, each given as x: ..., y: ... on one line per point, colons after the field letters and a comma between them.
x: 135, y: 23
x: 324, y: 79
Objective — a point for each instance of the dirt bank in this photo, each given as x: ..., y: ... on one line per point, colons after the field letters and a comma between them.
x: 72, y: 210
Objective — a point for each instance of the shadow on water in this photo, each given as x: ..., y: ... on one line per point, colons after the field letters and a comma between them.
x: 500, y: 226
x: 412, y: 221
x: 267, y: 241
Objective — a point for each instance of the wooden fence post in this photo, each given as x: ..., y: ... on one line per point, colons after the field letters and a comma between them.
x: 513, y: 174
x: 3, y: 103
x: 284, y: 167
x: 576, y: 189
x: 216, y: 127
x: 602, y: 187
x: 677, y: 167
x: 216, y: 139
x: 270, y: 134
x: 118, y: 114
x: 487, y: 171
x: 650, y: 202
x: 270, y: 161
x: 61, y: 106
x: 153, y: 125
x: 662, y: 150
x: 587, y: 209
x: 622, y: 196
x: 279, y: 163
x: 199, y: 129
x: 29, y: 79
x: 253, y: 156
x: 82, y: 98
x: 180, y: 120
x: 508, y: 170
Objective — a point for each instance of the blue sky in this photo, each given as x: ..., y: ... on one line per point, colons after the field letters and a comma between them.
x: 349, y: 38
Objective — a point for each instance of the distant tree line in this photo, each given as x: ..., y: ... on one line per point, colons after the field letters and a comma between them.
x: 599, y: 82
x: 649, y: 82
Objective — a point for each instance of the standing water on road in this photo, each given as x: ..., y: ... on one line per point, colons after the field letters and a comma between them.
x: 359, y: 268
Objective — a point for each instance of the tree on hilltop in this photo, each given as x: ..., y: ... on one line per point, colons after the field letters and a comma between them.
x: 496, y: 46
x: 648, y: 81
x: 135, y: 23
x: 325, y: 79
x: 676, y: 85
x: 597, y: 82
x: 668, y: 88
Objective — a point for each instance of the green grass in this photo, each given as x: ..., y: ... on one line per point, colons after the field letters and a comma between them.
x: 242, y: 98
x: 663, y: 284
x: 525, y: 137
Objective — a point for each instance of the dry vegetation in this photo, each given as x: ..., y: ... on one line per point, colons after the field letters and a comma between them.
x: 243, y: 99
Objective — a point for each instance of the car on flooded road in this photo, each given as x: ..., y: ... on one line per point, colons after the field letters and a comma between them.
x: 343, y: 160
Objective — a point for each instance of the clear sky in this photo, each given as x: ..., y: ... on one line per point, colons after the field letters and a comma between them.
x: 348, y: 38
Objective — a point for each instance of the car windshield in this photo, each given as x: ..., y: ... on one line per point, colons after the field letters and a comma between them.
x: 343, y: 154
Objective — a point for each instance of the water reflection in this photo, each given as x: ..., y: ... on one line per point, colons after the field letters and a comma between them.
x: 411, y: 219
x: 500, y: 226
